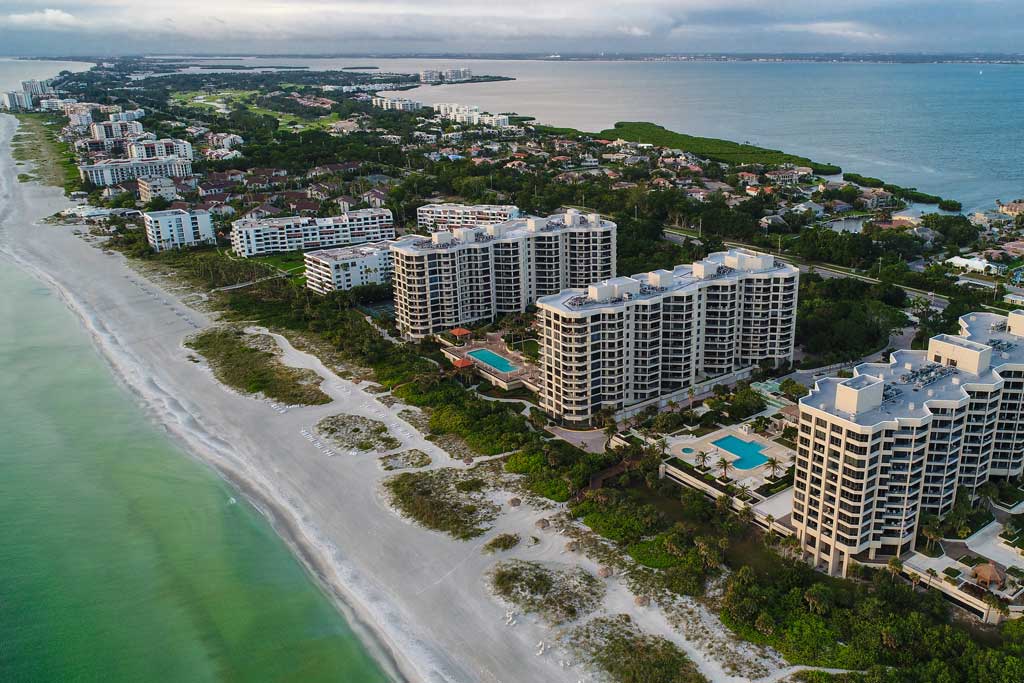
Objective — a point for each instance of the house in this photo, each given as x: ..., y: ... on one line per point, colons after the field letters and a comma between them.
x: 975, y: 264
x: 783, y: 176
x: 769, y: 222
x: 304, y: 205
x: 876, y: 198
x: 623, y: 185
x: 262, y: 211
x: 748, y: 178
x: 698, y: 193
x: 206, y: 189
x: 332, y: 169
x: 345, y: 203
x: 319, y: 191
x: 374, y: 198
x: 273, y: 172
x: 1012, y: 209
x: 661, y: 183
x: 216, y: 208
x: 517, y: 165
x: 814, y: 207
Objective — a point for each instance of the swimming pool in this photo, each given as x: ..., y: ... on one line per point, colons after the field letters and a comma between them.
x: 748, y: 452
x: 488, y: 357
x: 687, y: 450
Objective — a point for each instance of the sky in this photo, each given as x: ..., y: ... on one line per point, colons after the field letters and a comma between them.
x: 111, y: 27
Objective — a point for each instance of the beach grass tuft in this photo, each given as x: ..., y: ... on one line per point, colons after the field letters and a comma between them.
x: 236, y: 363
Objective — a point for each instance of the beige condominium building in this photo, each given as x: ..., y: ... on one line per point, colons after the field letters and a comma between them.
x: 895, y: 442
x: 630, y: 342
x: 467, y: 275
x: 435, y: 217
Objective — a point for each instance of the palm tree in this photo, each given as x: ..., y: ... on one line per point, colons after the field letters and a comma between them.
x: 932, y: 533
x: 690, y: 393
x: 769, y: 519
x: 915, y: 579
x: 932, y: 574
x: 701, y: 459
x: 774, y: 465
x: 742, y: 491
x: 894, y: 567
x: 724, y: 466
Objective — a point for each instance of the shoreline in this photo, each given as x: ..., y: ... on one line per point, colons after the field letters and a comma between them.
x: 283, y: 524
x: 402, y: 643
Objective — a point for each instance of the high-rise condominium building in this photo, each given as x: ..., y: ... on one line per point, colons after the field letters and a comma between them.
x: 176, y: 228
x: 153, y: 149
x: 447, y: 216
x: 114, y: 171
x: 898, y: 440
x: 330, y: 270
x: 254, y: 237
x: 114, y: 129
x: 470, y: 274
x: 631, y: 342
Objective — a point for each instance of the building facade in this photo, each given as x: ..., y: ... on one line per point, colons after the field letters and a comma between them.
x: 153, y: 188
x: 114, y: 171
x: 114, y: 129
x: 154, y: 149
x: 177, y: 228
x: 471, y: 274
x: 435, y: 217
x: 879, y: 451
x: 254, y: 237
x: 331, y: 270
x: 623, y: 344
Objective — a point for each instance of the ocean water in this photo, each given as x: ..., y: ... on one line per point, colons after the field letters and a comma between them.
x: 947, y: 129
x: 121, y: 558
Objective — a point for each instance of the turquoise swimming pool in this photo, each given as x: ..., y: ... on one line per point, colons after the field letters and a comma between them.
x: 488, y: 357
x: 748, y: 452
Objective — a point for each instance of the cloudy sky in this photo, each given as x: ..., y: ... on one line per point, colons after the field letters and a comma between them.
x: 49, y: 27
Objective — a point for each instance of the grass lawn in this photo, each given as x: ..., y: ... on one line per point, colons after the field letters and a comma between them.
x: 288, y: 260
x: 232, y: 98
x: 529, y: 347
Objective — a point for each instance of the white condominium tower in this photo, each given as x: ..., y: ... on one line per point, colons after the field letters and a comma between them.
x: 896, y: 441
x: 114, y: 171
x: 447, y: 216
x: 154, y: 149
x: 331, y: 270
x: 470, y: 274
x: 176, y: 228
x: 258, y: 236
x: 631, y: 342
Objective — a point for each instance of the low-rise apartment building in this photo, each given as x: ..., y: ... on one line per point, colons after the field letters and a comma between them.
x: 255, y: 237
x: 154, y: 149
x: 153, y: 188
x: 101, y: 130
x: 331, y: 270
x: 435, y: 217
x: 114, y: 171
x: 176, y: 228
x: 396, y: 104
x: 458, y: 277
x: 880, y: 450
x: 627, y: 343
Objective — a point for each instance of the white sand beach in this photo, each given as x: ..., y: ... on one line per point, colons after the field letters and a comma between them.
x: 418, y: 596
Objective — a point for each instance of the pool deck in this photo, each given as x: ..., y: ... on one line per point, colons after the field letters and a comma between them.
x: 524, y: 374
x: 755, y: 476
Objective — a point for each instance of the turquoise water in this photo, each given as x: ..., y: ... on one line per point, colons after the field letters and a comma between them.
x: 122, y: 559
x: 748, y: 452
x: 488, y: 357
x: 687, y: 450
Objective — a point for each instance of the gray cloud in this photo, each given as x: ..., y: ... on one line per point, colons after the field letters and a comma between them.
x: 566, y: 26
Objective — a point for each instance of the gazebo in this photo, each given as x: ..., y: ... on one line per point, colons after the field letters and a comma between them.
x: 463, y: 363
x: 461, y: 334
x: 988, y: 575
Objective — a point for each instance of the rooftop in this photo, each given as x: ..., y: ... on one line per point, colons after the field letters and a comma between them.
x: 913, y: 378
x: 642, y: 286
x: 345, y: 253
x: 507, y: 230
